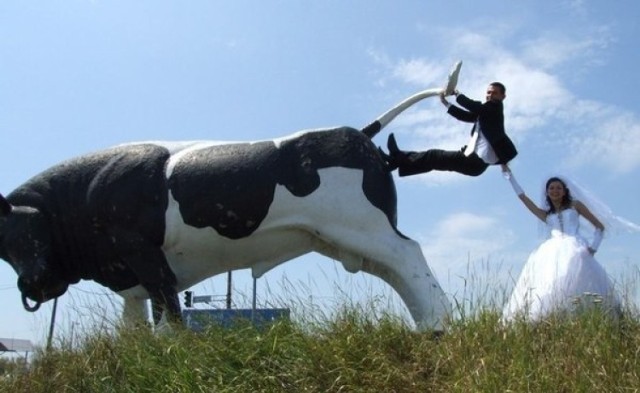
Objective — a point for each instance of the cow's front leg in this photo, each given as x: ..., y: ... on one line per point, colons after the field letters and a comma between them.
x: 135, y: 312
x: 165, y: 308
x: 148, y: 263
x: 156, y: 310
x: 164, y: 299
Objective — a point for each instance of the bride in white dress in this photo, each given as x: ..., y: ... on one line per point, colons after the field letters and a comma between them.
x: 561, y: 275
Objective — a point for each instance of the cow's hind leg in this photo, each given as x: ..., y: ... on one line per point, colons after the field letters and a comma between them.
x: 400, y: 263
x: 355, y: 225
x: 407, y: 271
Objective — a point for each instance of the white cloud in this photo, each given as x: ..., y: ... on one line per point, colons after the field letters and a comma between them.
x: 460, y: 234
x: 614, y: 142
x: 553, y: 49
x: 474, y: 46
x: 421, y: 72
x: 534, y: 96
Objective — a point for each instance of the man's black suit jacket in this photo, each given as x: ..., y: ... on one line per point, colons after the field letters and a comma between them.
x: 490, y: 116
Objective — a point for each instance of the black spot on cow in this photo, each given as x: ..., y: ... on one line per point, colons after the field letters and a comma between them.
x: 230, y: 187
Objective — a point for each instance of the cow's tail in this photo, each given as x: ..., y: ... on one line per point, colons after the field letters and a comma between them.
x: 377, y: 125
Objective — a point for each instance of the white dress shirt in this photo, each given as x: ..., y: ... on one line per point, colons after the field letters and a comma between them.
x: 481, y: 146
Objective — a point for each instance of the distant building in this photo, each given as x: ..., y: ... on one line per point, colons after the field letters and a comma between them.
x: 15, y: 345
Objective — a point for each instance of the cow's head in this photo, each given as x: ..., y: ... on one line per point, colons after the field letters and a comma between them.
x: 25, y: 242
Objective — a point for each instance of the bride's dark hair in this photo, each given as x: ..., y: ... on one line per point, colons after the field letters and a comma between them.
x: 566, y: 199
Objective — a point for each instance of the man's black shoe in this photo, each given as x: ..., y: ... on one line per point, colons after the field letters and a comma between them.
x: 392, y: 164
x: 392, y: 145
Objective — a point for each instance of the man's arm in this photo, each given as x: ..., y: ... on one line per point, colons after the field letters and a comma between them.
x: 471, y: 105
x: 462, y: 115
x: 456, y: 112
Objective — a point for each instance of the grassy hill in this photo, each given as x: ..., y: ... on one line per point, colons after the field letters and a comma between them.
x: 349, y: 352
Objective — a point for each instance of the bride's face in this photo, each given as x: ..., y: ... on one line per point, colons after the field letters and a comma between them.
x: 555, y: 191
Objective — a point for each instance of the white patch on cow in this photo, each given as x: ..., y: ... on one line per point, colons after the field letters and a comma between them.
x: 293, y: 226
x: 278, y: 141
x: 336, y: 220
x: 175, y: 146
x: 179, y: 150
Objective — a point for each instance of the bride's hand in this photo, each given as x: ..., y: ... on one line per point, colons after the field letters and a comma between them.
x: 506, y: 172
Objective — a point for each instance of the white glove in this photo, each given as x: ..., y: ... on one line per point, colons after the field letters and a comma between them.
x: 514, y: 183
x: 597, y: 239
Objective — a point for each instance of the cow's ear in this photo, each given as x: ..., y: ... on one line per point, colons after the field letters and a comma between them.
x: 5, y: 206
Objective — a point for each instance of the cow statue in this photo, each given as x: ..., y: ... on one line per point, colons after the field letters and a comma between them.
x: 150, y: 219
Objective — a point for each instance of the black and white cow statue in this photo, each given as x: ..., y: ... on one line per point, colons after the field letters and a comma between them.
x: 148, y: 220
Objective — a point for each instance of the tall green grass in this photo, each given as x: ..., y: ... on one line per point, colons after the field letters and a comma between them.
x: 355, y: 348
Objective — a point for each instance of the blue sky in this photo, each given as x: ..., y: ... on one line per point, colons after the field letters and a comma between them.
x: 78, y: 76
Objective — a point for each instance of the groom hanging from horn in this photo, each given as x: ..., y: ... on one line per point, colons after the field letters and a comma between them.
x: 489, y: 143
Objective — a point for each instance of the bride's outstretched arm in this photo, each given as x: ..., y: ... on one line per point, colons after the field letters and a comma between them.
x: 533, y: 208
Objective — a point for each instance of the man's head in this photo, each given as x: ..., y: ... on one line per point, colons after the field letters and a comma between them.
x: 496, y: 92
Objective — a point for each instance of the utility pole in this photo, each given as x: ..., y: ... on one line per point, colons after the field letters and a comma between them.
x: 53, y: 322
x: 229, y: 290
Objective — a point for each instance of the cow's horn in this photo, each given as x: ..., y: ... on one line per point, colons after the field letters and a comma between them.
x: 27, y: 306
x: 5, y: 206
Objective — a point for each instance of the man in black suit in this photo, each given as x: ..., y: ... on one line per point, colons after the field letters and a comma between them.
x: 489, y: 144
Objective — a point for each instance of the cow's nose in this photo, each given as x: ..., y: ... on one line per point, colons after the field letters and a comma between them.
x: 28, y: 287
x: 39, y: 291
x: 24, y: 283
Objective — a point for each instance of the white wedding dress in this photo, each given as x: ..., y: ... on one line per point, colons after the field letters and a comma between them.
x: 560, y: 275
